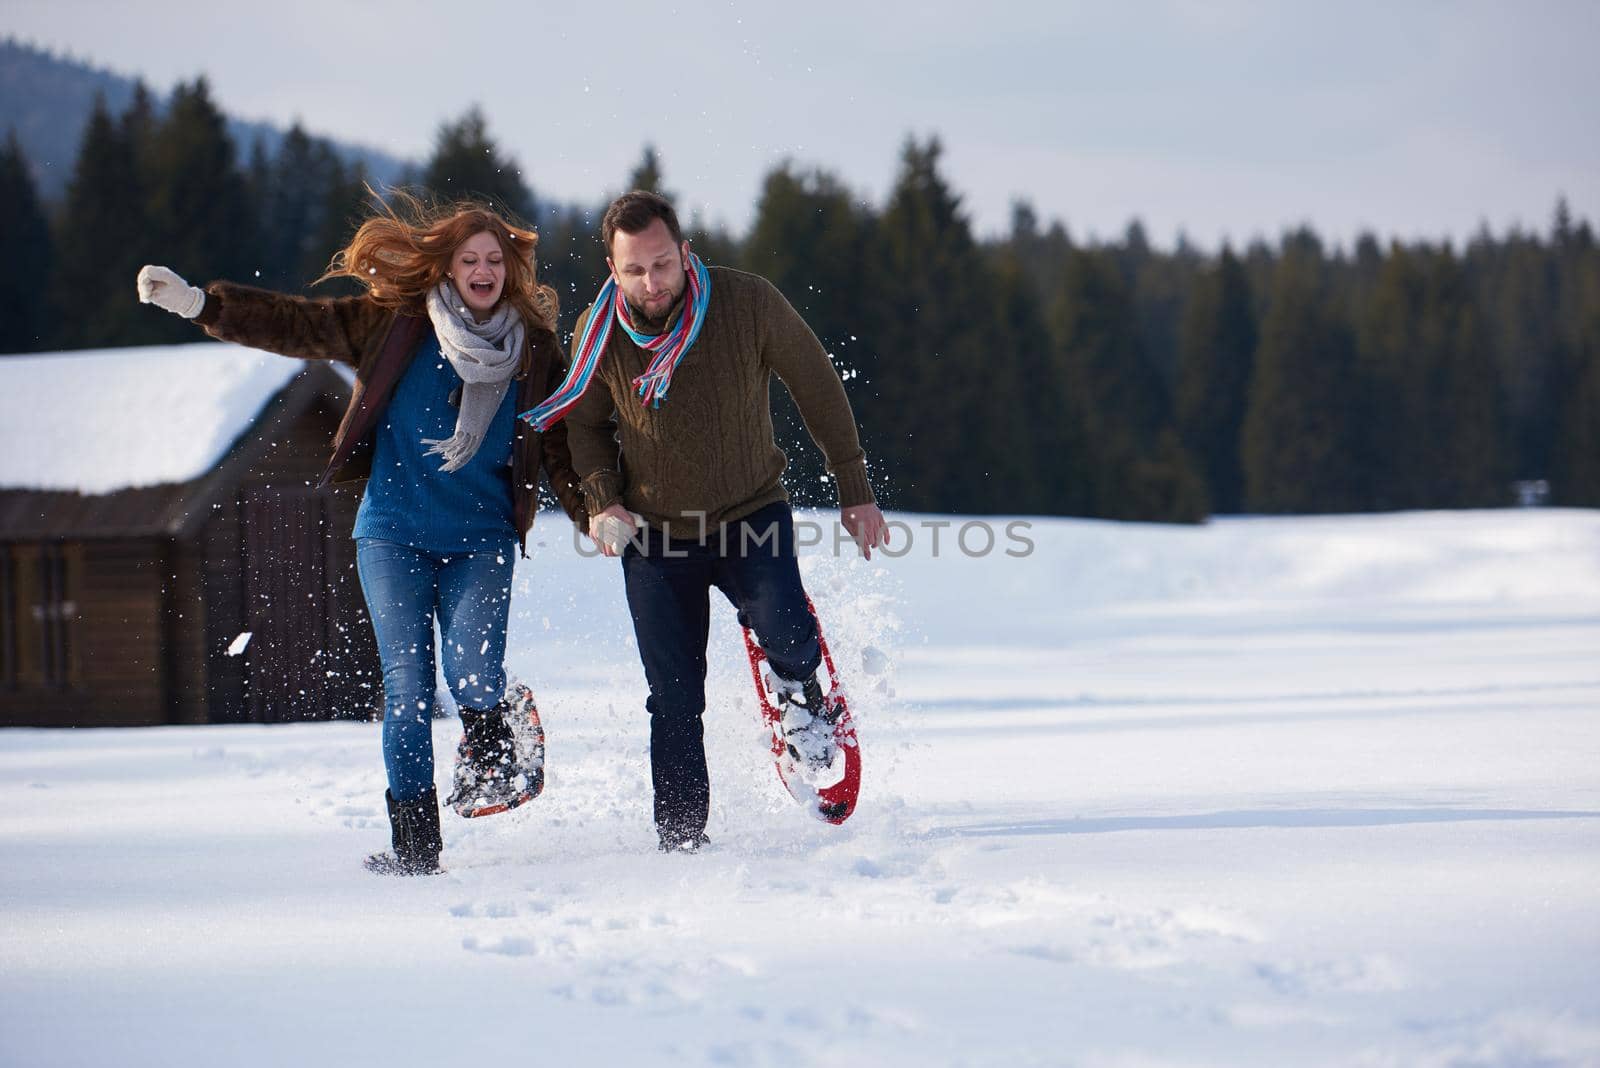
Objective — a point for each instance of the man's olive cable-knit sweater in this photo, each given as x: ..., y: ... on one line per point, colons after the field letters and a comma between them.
x: 708, y: 451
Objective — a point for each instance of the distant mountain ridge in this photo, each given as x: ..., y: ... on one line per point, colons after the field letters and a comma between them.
x: 47, y: 99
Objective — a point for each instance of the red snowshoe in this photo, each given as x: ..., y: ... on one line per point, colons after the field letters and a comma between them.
x: 828, y: 793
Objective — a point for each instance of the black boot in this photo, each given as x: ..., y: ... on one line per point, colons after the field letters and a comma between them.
x: 680, y: 842
x: 486, y: 757
x: 489, y: 735
x: 679, y: 779
x: 807, y: 722
x: 414, y: 832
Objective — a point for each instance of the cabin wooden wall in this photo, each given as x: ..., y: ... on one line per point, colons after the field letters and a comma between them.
x: 115, y: 674
x: 321, y: 597
x: 152, y: 617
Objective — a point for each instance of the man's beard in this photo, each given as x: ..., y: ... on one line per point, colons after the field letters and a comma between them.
x: 646, y: 323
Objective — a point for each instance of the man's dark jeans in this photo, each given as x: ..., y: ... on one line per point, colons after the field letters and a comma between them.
x: 752, y: 562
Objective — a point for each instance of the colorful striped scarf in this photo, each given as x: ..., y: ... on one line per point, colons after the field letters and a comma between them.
x: 669, y: 348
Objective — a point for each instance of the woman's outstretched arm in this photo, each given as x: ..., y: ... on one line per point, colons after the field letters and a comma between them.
x: 306, y: 328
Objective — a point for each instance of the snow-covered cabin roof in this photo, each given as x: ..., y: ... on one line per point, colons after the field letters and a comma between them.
x: 105, y: 420
x: 147, y: 442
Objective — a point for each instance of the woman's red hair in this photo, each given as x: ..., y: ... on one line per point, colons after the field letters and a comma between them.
x: 399, y: 255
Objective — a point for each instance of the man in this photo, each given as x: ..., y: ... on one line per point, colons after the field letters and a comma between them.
x: 668, y: 419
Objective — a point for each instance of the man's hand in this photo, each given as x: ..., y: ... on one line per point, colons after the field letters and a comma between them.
x: 611, y: 530
x: 867, y: 526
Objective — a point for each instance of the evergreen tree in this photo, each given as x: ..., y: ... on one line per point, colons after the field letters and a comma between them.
x: 1433, y: 418
x: 307, y: 202
x: 1133, y: 253
x: 1391, y: 369
x: 946, y: 392
x: 1260, y: 263
x: 24, y: 270
x: 1029, y: 266
x: 1515, y: 285
x: 1159, y: 286
x: 1050, y: 443
x: 101, y: 240
x: 290, y: 209
x: 1366, y: 269
x: 1299, y: 434
x: 1576, y: 475
x: 572, y: 259
x: 343, y: 198
x: 1041, y: 256
x: 647, y: 174
x: 1468, y: 454
x: 1217, y: 352
x: 204, y: 224
x: 812, y: 240
x: 138, y: 125
x: 260, y: 183
x: 1137, y: 466
x: 467, y: 164
x: 1562, y: 231
x: 711, y: 242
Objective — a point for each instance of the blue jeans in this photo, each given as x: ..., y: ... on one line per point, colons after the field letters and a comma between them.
x: 470, y: 593
x: 668, y: 584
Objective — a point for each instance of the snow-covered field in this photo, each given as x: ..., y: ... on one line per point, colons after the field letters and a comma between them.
x: 1267, y: 792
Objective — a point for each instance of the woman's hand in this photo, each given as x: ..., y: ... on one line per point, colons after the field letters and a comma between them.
x: 166, y: 289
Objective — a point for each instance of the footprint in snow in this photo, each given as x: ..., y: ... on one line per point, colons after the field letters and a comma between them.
x: 1374, y: 974
x: 508, y: 946
x: 489, y: 910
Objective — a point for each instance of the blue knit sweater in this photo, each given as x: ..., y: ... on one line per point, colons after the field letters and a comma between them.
x: 408, y: 499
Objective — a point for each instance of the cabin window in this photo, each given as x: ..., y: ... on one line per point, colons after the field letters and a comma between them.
x: 8, y: 619
x: 54, y: 612
x: 55, y: 616
x: 45, y: 579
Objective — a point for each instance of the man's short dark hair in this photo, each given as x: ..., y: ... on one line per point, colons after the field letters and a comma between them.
x: 633, y: 213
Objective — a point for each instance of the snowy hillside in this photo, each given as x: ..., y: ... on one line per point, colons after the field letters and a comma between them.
x: 1266, y: 792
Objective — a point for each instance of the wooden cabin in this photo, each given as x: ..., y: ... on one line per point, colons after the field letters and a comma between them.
x: 165, y: 556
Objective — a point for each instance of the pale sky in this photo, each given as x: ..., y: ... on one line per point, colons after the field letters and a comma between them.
x: 1220, y: 119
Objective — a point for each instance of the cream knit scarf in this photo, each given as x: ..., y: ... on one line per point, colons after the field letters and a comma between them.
x: 486, y: 355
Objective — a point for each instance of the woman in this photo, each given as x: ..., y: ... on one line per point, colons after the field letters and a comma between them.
x: 452, y: 318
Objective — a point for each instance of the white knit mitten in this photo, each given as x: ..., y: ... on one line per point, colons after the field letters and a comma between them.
x: 614, y: 533
x: 166, y: 289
